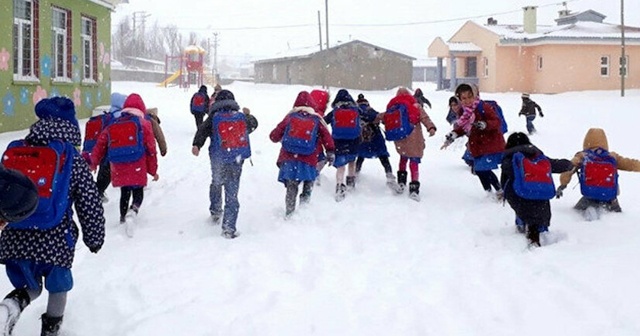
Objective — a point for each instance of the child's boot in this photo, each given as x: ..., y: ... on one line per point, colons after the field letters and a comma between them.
x: 50, y: 325
x: 414, y: 191
x: 402, y: 181
x: 10, y: 309
x: 533, y: 235
x: 341, y: 191
x: 391, y: 182
x: 351, y: 183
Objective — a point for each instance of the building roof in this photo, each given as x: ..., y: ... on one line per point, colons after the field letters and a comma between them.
x: 111, y: 4
x: 463, y: 47
x: 584, y: 28
x: 145, y: 60
x: 309, y: 52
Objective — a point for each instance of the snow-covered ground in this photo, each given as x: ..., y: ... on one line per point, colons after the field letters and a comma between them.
x: 375, y: 264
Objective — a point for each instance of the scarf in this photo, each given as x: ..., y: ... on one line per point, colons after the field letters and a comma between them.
x: 468, y: 117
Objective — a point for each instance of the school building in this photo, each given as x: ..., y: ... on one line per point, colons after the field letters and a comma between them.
x: 53, y: 48
x: 579, y: 52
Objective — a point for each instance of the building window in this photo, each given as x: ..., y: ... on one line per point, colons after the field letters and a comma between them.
x: 539, y: 63
x: 471, y: 67
x: 624, y: 69
x: 25, y: 40
x: 486, y: 66
x: 89, y: 52
x: 61, y: 43
x: 604, y: 66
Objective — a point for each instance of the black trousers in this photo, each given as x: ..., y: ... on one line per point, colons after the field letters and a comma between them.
x: 125, y: 196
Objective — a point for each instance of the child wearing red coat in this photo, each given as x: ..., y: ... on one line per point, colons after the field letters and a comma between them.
x: 131, y: 177
x: 296, y: 168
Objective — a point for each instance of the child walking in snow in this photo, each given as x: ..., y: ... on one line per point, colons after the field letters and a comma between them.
x: 532, y: 215
x: 321, y: 100
x: 38, y: 251
x: 373, y: 143
x: 303, y: 134
x: 345, y: 131
x: 597, y: 170
x: 410, y: 148
x: 528, y: 110
x: 129, y: 174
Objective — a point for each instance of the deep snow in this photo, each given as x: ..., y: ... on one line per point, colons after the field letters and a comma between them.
x: 375, y: 264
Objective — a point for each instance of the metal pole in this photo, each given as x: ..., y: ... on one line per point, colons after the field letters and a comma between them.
x: 623, y: 58
x: 326, y: 17
x: 320, y: 30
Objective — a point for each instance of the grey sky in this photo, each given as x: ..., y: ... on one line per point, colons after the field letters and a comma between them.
x: 246, y: 27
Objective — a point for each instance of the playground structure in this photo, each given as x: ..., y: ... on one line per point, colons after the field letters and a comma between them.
x: 190, y: 69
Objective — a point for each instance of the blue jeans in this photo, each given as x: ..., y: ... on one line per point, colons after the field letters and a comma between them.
x: 225, y: 175
x: 530, y: 127
x: 29, y: 274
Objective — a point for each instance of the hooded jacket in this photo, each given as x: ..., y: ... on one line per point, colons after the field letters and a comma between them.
x: 596, y: 138
x: 56, y: 246
x: 130, y: 174
x: 152, y: 114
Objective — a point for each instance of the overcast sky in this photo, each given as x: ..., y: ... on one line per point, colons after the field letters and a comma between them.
x: 255, y: 29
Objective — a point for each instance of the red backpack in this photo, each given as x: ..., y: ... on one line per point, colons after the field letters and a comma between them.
x: 125, y: 141
x: 345, y: 124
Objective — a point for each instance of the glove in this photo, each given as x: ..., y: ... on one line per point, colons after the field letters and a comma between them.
x: 560, y: 190
x: 94, y: 249
x: 331, y: 157
x: 450, y: 137
x: 541, y: 115
x: 481, y: 125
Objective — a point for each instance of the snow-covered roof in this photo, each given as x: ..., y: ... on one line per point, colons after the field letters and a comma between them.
x: 425, y: 62
x: 579, y: 31
x: 463, y: 47
x: 194, y: 49
x: 111, y: 4
x: 146, y: 60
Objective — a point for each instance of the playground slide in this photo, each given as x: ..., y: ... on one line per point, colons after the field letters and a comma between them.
x: 170, y: 78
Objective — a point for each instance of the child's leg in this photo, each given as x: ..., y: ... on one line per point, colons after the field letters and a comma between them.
x: 359, y: 162
x: 351, y: 175
x: 290, y: 196
x: 340, y: 174
x: 307, y: 187
x: 138, y: 197
x: 104, y: 177
x: 56, y: 304
x: 488, y: 179
x: 402, y: 166
x: 384, y: 160
x: 415, y: 172
x: 125, y: 195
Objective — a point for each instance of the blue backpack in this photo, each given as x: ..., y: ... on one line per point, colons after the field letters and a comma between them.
x: 503, y: 123
x: 199, y: 103
x: 396, y: 123
x: 532, y: 177
x: 95, y: 125
x: 301, y: 134
x: 598, y: 175
x: 229, y: 136
x: 345, y: 124
x: 125, y: 140
x: 49, y: 168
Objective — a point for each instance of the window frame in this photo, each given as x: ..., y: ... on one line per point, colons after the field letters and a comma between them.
x: 89, y: 40
x: 18, y: 44
x: 539, y: 63
x: 626, y: 57
x: 606, y: 66
x: 485, y: 62
x: 67, y: 49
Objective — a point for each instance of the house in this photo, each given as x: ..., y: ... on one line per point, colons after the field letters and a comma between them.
x: 580, y: 52
x: 53, y: 48
x: 353, y: 65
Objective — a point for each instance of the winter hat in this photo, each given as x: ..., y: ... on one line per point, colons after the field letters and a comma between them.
x: 595, y: 137
x: 403, y: 91
x: 304, y: 99
x: 225, y: 95
x: 217, y: 88
x: 134, y: 101
x: 57, y: 107
x: 321, y: 98
x: 361, y: 100
x: 525, y: 95
x: 342, y: 96
x: 517, y: 139
x: 117, y: 101
x: 18, y: 196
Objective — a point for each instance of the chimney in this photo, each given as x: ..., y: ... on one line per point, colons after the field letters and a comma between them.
x: 491, y: 21
x: 530, y: 19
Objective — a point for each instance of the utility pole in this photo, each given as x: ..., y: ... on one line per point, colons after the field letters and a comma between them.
x: 139, y: 18
x: 623, y: 58
x: 214, y: 71
x: 320, y: 30
x: 326, y: 17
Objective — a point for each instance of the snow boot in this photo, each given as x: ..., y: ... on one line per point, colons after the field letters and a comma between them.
x: 351, y: 183
x: 341, y: 191
x: 533, y: 235
x: 10, y: 309
x: 50, y: 325
x: 402, y: 181
x: 229, y: 234
x: 391, y: 182
x: 414, y: 191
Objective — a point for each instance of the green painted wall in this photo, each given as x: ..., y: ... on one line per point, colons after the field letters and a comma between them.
x: 18, y: 98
